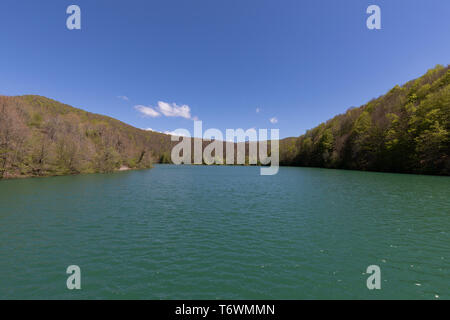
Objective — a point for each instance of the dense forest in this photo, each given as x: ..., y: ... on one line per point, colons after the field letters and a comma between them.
x: 407, y: 130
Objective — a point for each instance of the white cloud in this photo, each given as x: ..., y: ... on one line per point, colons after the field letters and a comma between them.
x: 147, y: 111
x: 273, y: 120
x: 124, y: 98
x: 173, y: 110
x: 167, y: 109
x: 172, y: 133
x: 175, y: 133
x: 258, y: 110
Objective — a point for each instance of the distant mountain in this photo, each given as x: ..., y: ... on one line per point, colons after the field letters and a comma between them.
x: 406, y: 130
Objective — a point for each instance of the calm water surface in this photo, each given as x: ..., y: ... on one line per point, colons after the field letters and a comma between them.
x: 202, y: 232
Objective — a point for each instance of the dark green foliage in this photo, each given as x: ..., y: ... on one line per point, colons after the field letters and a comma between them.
x: 406, y: 130
x: 165, y: 158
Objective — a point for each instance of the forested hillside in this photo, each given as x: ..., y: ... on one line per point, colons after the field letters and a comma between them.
x: 40, y: 136
x: 406, y: 130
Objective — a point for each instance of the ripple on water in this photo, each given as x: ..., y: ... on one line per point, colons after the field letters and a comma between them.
x: 226, y: 232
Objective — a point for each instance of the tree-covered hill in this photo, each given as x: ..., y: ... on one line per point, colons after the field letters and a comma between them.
x: 40, y: 136
x: 406, y: 130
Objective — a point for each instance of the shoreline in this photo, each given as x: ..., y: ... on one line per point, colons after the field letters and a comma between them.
x: 71, y: 174
x: 126, y: 169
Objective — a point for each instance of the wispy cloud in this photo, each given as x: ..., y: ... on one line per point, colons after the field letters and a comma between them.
x: 273, y: 120
x: 258, y: 110
x: 166, y: 109
x: 173, y: 110
x: 124, y: 98
x: 147, y: 111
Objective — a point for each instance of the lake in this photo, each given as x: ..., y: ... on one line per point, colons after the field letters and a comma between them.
x: 219, y: 232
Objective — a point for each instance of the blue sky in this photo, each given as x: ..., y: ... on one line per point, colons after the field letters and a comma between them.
x: 301, y: 62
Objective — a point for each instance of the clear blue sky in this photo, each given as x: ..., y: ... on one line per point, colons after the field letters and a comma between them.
x: 299, y: 61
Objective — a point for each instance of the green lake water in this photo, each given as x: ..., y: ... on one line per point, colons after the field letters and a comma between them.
x: 198, y: 232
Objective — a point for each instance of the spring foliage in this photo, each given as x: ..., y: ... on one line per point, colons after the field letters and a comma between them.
x: 407, y: 130
x: 40, y: 137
